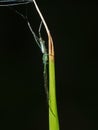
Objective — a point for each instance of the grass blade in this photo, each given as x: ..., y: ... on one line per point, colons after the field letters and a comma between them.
x: 53, y: 115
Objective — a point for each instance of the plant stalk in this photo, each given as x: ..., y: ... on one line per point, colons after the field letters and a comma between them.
x: 53, y: 115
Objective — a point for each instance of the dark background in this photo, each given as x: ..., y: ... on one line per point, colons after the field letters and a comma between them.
x: 23, y: 103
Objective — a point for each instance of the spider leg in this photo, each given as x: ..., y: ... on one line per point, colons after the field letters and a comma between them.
x: 34, y: 35
x: 39, y: 30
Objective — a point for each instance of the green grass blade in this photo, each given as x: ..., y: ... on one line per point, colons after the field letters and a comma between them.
x: 53, y: 115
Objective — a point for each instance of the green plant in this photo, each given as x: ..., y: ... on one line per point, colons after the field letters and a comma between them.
x: 53, y: 115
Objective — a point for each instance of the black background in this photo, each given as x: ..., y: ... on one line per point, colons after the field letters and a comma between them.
x: 23, y: 103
